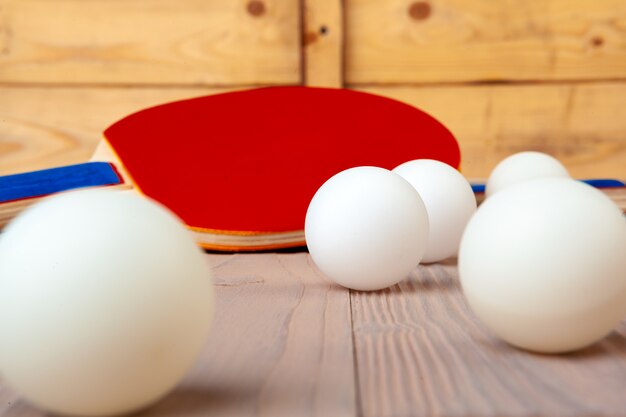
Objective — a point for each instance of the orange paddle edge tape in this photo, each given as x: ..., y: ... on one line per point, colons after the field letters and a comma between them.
x: 251, y: 248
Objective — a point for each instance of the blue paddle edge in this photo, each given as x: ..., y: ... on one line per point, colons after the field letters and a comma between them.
x: 48, y: 181
x: 597, y: 183
x: 94, y: 174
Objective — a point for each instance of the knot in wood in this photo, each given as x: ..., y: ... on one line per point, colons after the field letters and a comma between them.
x: 420, y: 10
x: 256, y: 8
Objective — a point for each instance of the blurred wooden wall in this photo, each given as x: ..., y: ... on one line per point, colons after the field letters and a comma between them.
x: 504, y: 76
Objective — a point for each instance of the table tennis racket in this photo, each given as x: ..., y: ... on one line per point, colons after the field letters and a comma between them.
x: 240, y: 168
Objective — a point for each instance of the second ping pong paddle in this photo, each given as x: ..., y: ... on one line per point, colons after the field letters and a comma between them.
x: 240, y: 168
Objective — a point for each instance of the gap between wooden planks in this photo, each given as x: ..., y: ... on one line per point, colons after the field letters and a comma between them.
x: 286, y: 342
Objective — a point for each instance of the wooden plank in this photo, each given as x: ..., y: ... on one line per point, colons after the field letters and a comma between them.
x: 583, y: 125
x: 280, y: 346
x: 421, y: 352
x: 47, y: 127
x: 424, y: 41
x: 323, y: 43
x: 198, y: 42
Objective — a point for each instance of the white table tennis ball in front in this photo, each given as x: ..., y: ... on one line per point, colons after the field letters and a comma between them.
x: 542, y: 265
x: 523, y: 166
x: 366, y: 228
x: 105, y: 302
x: 449, y: 201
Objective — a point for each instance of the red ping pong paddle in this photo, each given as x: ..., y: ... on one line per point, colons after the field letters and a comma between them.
x: 240, y: 168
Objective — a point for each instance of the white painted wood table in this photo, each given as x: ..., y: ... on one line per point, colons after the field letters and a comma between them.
x: 286, y: 342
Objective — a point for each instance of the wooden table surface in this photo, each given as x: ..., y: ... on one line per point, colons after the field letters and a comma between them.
x: 286, y: 342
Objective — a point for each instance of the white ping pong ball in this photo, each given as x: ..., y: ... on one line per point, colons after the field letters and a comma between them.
x: 449, y: 201
x: 542, y: 265
x: 366, y: 228
x: 523, y: 166
x: 105, y: 302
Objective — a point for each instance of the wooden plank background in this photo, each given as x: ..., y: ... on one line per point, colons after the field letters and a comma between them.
x: 323, y: 40
x: 442, y: 41
x: 43, y: 126
x: 583, y: 124
x: 137, y: 42
x: 504, y: 76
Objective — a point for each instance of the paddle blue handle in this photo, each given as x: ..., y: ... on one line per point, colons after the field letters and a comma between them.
x: 598, y: 183
x: 54, y: 180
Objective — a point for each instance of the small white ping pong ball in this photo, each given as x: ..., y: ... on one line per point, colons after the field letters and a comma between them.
x: 523, y: 166
x: 366, y: 228
x: 542, y: 265
x: 105, y: 302
x: 449, y: 201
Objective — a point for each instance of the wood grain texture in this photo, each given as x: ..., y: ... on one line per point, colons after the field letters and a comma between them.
x: 285, y: 343
x: 583, y: 125
x: 323, y: 43
x: 280, y: 346
x: 423, y: 41
x: 618, y: 196
x: 45, y: 127
x: 421, y: 352
x: 198, y: 42
x: 283, y: 339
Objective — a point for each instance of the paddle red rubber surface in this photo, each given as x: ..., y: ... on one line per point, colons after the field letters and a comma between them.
x: 251, y: 161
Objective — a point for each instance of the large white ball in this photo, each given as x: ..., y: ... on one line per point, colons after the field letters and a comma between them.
x: 105, y: 302
x: 542, y: 265
x: 366, y: 228
x: 523, y: 166
x: 449, y: 201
